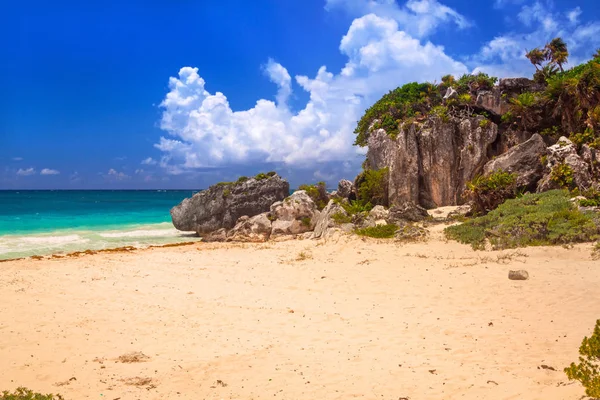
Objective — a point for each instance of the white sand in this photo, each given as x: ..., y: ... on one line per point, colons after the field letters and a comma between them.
x: 356, y: 319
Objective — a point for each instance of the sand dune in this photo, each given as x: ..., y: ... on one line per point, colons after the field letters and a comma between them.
x: 299, y: 320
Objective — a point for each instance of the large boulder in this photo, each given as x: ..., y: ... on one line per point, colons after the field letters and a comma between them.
x: 592, y: 157
x: 565, y: 152
x: 220, y: 206
x: 294, y: 215
x: 407, y: 212
x: 251, y: 229
x: 345, y: 188
x: 524, y: 160
x: 429, y: 164
x: 492, y: 101
x: 325, y: 222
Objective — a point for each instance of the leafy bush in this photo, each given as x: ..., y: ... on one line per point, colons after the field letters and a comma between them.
x: 354, y: 207
x: 26, y: 394
x: 465, y: 98
x: 379, y: 231
x: 588, y: 370
x: 532, y: 220
x: 484, y: 123
x: 242, y: 179
x: 318, y: 194
x: 341, y: 218
x: 473, y: 83
x: 440, y: 112
x: 306, y: 222
x: 271, y: 173
x: 395, y: 106
x: 226, y: 193
x: 488, y: 192
x: 373, y: 187
x: 261, y: 176
x: 563, y: 175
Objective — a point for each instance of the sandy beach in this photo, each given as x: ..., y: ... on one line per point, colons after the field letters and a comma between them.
x: 337, y: 319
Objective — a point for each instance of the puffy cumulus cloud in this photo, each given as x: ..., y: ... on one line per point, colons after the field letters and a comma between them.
x: 504, y: 55
x: 48, y: 171
x: 25, y: 171
x: 419, y: 18
x: 148, y: 161
x: 205, y: 132
x: 115, y: 175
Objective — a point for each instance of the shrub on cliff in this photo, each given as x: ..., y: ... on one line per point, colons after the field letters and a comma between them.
x: 373, y: 187
x: 587, y: 371
x: 26, y: 394
x: 379, y: 231
x: 488, y: 192
x: 318, y: 194
x: 532, y: 220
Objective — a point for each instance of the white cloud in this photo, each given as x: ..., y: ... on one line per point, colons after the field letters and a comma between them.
x: 503, y: 3
x: 26, y: 172
x: 139, y: 171
x: 17, y: 158
x: 574, y: 15
x: 418, y: 18
x: 149, y: 161
x: 504, y: 55
x: 205, y: 131
x: 116, y: 176
x: 47, y: 171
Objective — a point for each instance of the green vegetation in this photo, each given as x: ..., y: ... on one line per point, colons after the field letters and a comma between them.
x: 306, y: 222
x: 587, y: 371
x: 226, y: 193
x: 341, y: 218
x: 379, y: 231
x: 484, y: 123
x: 396, y: 105
x: 562, y: 175
x: 242, y: 179
x: 318, y: 194
x: 473, y: 83
x: 532, y: 220
x: 26, y: 394
x: 488, y: 192
x: 373, y: 187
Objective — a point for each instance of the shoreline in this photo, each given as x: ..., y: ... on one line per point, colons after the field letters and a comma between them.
x: 329, y: 319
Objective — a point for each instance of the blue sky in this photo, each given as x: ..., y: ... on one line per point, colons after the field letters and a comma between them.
x: 182, y: 94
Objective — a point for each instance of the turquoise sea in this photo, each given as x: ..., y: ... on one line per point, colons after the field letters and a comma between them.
x: 41, y: 222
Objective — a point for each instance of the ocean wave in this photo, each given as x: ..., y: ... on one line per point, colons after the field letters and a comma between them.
x: 142, y: 233
x: 50, y: 240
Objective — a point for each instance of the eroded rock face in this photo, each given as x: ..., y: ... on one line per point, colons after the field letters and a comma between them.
x: 492, y: 101
x: 345, y: 188
x: 565, y: 152
x: 251, y: 229
x: 524, y: 160
x: 592, y: 157
x: 429, y: 164
x: 324, y: 220
x: 294, y: 215
x: 407, y: 212
x: 220, y: 206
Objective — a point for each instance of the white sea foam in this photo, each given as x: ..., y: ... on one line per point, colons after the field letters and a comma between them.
x: 51, y: 240
x: 142, y: 233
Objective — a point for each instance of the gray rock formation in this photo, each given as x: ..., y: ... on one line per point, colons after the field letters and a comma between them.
x: 220, y: 206
x: 565, y: 152
x: 345, y: 188
x: 324, y: 221
x: 251, y: 229
x: 429, y: 164
x: 592, y: 157
x: 520, y: 275
x: 524, y: 160
x: 407, y: 212
x: 451, y: 93
x: 294, y: 215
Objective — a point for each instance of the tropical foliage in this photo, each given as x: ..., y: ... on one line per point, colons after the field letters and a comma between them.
x: 587, y: 371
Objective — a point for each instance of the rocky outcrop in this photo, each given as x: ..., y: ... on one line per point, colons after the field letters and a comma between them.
x: 407, y: 212
x: 294, y: 215
x: 429, y: 164
x: 324, y: 222
x: 524, y: 160
x: 345, y: 189
x: 564, y: 153
x: 592, y: 157
x: 251, y: 229
x: 495, y: 100
x: 220, y: 206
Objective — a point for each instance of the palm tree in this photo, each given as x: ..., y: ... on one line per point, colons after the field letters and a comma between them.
x: 556, y: 52
x: 536, y: 56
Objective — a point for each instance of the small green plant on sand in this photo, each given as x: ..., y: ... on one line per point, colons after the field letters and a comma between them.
x: 539, y: 219
x: 26, y: 394
x: 487, y: 192
x: 587, y: 371
x: 379, y: 231
x: 341, y: 218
